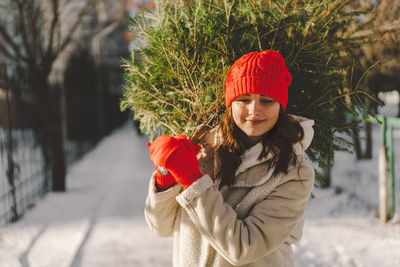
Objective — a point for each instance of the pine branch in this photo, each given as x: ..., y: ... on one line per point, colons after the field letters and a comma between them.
x: 279, y: 23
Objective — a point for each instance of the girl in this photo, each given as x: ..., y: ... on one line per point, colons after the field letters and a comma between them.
x: 241, y: 200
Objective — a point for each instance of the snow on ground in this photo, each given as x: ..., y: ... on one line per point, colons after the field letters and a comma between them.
x: 342, y: 228
x: 99, y: 221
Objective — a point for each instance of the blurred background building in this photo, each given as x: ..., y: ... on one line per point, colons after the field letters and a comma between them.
x: 60, y: 85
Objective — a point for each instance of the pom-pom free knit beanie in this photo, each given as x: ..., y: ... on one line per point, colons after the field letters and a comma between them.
x: 258, y: 73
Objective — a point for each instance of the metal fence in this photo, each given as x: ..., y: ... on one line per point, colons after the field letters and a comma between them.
x: 25, y: 172
x: 23, y: 168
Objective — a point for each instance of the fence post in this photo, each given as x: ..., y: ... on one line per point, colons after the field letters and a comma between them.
x: 391, y: 167
x: 384, y: 186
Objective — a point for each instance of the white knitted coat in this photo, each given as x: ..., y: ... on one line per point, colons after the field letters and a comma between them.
x: 252, y: 223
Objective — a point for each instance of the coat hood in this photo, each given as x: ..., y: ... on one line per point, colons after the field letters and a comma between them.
x: 307, y: 125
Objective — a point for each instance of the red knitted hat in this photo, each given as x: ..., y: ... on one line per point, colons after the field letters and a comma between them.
x: 258, y: 73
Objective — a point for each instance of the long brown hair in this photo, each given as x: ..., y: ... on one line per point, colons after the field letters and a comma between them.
x: 278, y: 141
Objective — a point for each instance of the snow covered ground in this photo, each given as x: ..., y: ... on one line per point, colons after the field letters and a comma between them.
x: 341, y: 225
x: 99, y: 221
x: 342, y: 228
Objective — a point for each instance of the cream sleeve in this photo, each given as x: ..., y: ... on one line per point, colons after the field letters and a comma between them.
x: 161, y: 208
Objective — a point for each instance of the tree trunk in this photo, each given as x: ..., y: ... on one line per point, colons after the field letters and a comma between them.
x: 58, y: 164
x: 51, y: 124
x: 357, y: 143
x: 368, y: 149
x: 326, y: 176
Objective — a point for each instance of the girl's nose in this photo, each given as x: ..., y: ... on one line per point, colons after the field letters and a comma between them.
x: 253, y: 107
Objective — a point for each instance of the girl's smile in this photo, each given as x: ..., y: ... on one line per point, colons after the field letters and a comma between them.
x: 255, y: 122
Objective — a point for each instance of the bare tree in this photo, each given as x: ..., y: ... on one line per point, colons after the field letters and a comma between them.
x: 33, y: 35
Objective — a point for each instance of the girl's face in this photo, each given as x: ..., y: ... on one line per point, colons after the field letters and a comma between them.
x: 255, y: 114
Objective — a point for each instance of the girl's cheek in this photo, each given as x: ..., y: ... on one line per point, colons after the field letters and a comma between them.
x: 241, y: 113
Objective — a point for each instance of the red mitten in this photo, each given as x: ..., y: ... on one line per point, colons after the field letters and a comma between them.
x: 184, y: 166
x: 162, y: 148
x: 183, y: 163
x: 188, y: 144
x: 163, y: 182
x: 178, y: 156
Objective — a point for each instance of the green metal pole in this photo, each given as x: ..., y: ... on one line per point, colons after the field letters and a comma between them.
x: 383, y: 131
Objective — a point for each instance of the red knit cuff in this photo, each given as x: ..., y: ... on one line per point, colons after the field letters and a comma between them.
x: 163, y: 182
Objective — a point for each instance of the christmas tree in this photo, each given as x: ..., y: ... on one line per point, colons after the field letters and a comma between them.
x: 175, y: 80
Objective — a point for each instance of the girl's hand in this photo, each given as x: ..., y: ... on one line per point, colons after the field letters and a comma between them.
x: 178, y: 156
x: 163, y: 182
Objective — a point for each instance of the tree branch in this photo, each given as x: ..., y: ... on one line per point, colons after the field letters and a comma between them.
x: 7, y: 38
x: 35, y: 24
x: 31, y: 23
x: 21, y: 24
x: 72, y: 31
x: 4, y: 51
x: 54, y: 22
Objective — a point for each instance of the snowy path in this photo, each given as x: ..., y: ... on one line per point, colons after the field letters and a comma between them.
x: 99, y: 221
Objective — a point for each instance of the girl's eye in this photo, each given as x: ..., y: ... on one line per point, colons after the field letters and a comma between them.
x: 267, y: 101
x: 244, y: 100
